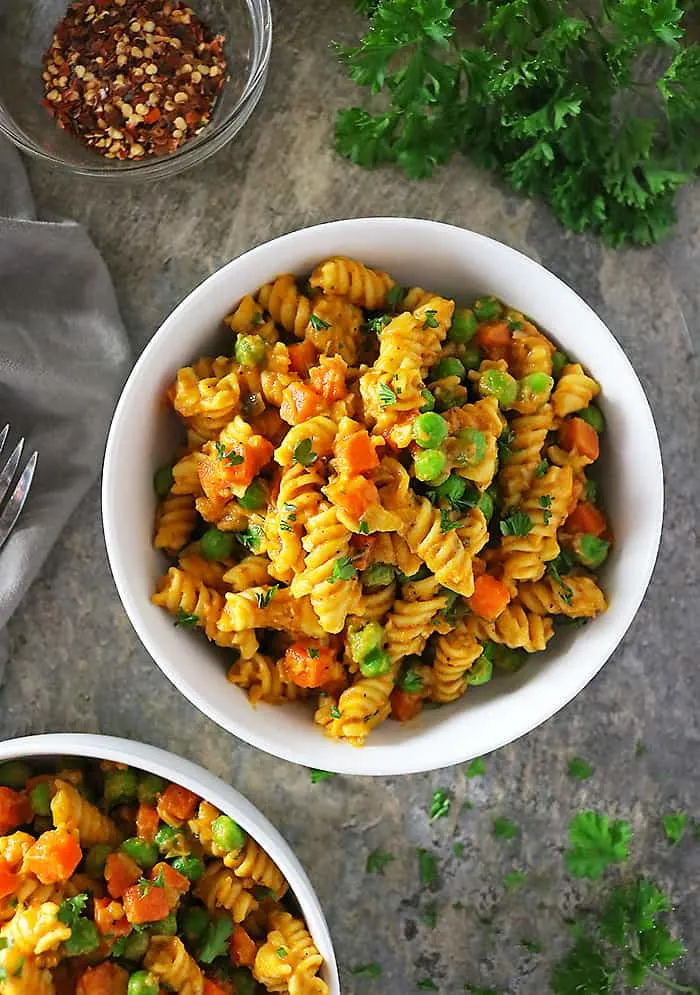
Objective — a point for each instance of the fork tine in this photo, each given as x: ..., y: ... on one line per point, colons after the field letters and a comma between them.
x: 10, y: 469
x: 14, y: 506
x: 3, y: 437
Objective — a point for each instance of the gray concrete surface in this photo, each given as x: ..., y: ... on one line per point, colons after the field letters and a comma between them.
x: 76, y: 664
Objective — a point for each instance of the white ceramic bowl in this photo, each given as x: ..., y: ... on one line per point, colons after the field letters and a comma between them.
x: 204, y: 784
x: 456, y: 263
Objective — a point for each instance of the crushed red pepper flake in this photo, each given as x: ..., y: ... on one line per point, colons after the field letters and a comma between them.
x: 133, y: 78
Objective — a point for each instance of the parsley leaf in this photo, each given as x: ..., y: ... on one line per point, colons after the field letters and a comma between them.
x: 475, y: 767
x: 430, y: 915
x: 363, y: 527
x: 386, y: 395
x: 458, y: 849
x: 215, y: 941
x: 532, y: 946
x: 313, y: 652
x: 251, y: 537
x: 318, y: 324
x: 342, y: 570
x: 430, y: 320
x: 427, y: 985
x: 517, y: 524
x: 504, y: 829
x: 378, y: 861
x: 596, y: 842
x: 514, y: 880
x: 505, y: 440
x: 541, y: 468
x: 378, y: 324
x: 84, y: 937
x: 185, y: 620
x: 411, y: 681
x: 264, y: 598
x: 231, y: 457
x: 303, y: 453
x: 446, y: 525
x: 439, y: 804
x: 72, y: 908
x: 372, y: 970
x: 281, y: 953
x: 394, y: 296
x: 579, y: 769
x: 335, y: 712
x: 320, y: 775
x: 674, y: 826
x: 428, y: 867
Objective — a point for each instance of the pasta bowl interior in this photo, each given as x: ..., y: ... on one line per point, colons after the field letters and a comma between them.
x: 455, y: 266
x: 123, y: 865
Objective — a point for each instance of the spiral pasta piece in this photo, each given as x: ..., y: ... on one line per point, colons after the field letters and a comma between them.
x: 299, y: 498
x: 574, y: 391
x: 576, y: 597
x: 546, y: 505
x: 175, y: 521
x: 363, y: 706
x: 455, y: 653
x: 320, y: 432
x: 72, y: 812
x: 219, y: 888
x: 334, y: 328
x: 247, y: 319
x: 350, y: 278
x: 434, y: 318
x: 36, y: 930
x: 376, y: 605
x: 518, y: 470
x: 252, y: 863
x: 531, y: 352
x: 289, y: 961
x: 186, y: 475
x: 327, y: 544
x: 283, y: 610
x: 442, y: 552
x: 412, y: 619
x: 515, y: 628
x: 415, y: 297
x: 264, y: 679
x: 13, y: 848
x: 22, y: 975
x: 251, y: 571
x: 286, y: 305
x: 169, y: 961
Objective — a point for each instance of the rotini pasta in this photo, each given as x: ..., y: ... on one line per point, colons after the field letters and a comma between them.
x: 379, y: 496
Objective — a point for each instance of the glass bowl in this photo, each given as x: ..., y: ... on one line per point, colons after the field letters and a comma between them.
x: 26, y: 29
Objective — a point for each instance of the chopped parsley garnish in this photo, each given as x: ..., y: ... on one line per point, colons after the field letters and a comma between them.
x: 318, y: 324
x: 531, y: 946
x: 377, y: 324
x: 303, y: 453
x: 545, y: 502
x: 541, y: 468
x: 251, y: 537
x: 517, y: 524
x: 281, y: 953
x: 458, y: 849
x: 674, y: 826
x: 554, y: 569
x: 430, y: 915
x: 335, y: 712
x: 285, y: 526
x: 514, y: 880
x: 579, y: 769
x: 430, y: 320
x: 84, y: 937
x: 504, y: 829
x: 264, y: 598
x: 373, y: 970
x: 394, y: 296
x: 313, y: 653
x: 427, y: 985
x: 446, y: 524
x: 231, y: 457
x: 363, y: 527
x: 505, y: 441
x: 215, y: 942
x: 185, y: 620
x: 439, y: 804
x: 475, y: 767
x: 258, y: 319
x: 596, y: 842
x: 342, y: 570
x: 320, y: 775
x: 411, y: 681
x: 386, y: 395
x: 378, y: 861
x: 428, y: 867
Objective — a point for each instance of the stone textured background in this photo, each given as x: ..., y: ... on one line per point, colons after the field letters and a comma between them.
x: 77, y: 665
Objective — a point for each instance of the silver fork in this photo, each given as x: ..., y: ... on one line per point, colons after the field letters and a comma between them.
x: 18, y: 495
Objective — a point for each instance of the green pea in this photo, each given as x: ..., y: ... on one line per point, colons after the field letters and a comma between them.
x: 486, y: 505
x: 96, y: 859
x: 164, y: 927
x: 487, y: 308
x: 376, y: 663
x: 84, y: 938
x: 559, y: 361
x: 464, y: 325
x: 145, y: 854
x: 363, y: 641
x: 429, y: 400
x: 451, y: 489
x: 378, y: 575
x: 163, y: 480
x: 136, y: 946
x: 430, y: 430
x: 40, y: 798
x: 429, y: 464
x: 590, y: 550
x: 471, y: 357
x: 507, y: 659
x: 194, y: 922
x: 450, y: 366
x: 255, y: 497
x: 481, y: 672
x: 143, y: 983
x: 250, y: 350
x: 535, y: 385
x: 171, y: 842
x: 594, y: 417
x: 502, y: 386
x: 590, y: 491
x: 216, y: 545
x: 120, y: 786
x: 14, y: 774
x: 471, y: 447
x: 243, y: 982
x: 150, y: 786
x: 192, y: 867
x: 227, y: 834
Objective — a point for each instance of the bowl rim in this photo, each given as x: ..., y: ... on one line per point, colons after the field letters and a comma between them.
x: 345, y: 759
x: 191, y: 153
x: 202, y: 782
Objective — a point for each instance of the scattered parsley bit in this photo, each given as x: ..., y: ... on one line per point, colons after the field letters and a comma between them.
x: 640, y: 748
x: 458, y: 849
x: 514, y: 880
x: 674, y: 826
x: 261, y: 892
x: 596, y: 842
x: 505, y: 441
x: 378, y: 861
x: 313, y: 652
x: 446, y: 525
x: 428, y: 867
x: 342, y: 570
x: 439, y: 805
x: 373, y: 970
x: 411, y: 681
x: 363, y: 527
x: 474, y: 990
x: 517, y: 524
x: 386, y: 395
x: 231, y: 457
x: 504, y: 829
x: 377, y: 324
x: 84, y: 937
x: 514, y: 324
x: 251, y: 537
x: 215, y: 942
x: 579, y: 769
x: 426, y: 985
x: 185, y: 620
x: 430, y: 320
x: 394, y: 296
x: 475, y: 767
x: 335, y: 712
x: 320, y: 775
x: 285, y: 526
x: 532, y: 946
x: 545, y: 502
x: 555, y: 568
x: 281, y: 953
x: 303, y: 453
x: 430, y: 915
x: 541, y: 468
x: 318, y: 324
x: 264, y: 598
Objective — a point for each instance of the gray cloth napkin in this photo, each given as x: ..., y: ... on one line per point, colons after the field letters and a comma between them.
x: 63, y: 358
